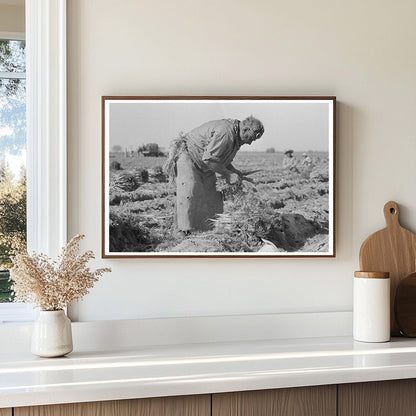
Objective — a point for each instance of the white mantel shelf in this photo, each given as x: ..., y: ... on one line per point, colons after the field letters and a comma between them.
x: 151, y: 371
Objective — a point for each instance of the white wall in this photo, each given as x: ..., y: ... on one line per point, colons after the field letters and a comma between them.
x: 361, y: 51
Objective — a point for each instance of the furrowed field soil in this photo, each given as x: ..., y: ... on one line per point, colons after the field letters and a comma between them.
x: 289, y: 209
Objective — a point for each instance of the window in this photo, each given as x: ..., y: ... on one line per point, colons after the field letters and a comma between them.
x: 46, y: 135
x: 12, y: 165
x: 12, y: 154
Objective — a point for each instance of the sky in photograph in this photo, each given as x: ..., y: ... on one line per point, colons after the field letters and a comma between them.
x: 287, y: 125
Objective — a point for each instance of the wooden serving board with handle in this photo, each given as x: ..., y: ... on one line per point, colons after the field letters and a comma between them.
x: 393, y: 250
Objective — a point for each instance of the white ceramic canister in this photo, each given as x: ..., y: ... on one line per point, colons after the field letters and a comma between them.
x: 371, y: 322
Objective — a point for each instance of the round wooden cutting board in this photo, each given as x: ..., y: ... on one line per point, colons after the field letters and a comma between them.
x: 393, y: 250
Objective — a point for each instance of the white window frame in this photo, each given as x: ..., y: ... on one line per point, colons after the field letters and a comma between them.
x: 46, y: 134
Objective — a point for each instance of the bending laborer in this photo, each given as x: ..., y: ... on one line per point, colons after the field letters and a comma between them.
x: 306, y: 161
x: 196, y: 158
x: 290, y: 162
x: 306, y: 165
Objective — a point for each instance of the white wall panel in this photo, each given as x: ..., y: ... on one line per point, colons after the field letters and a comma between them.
x: 362, y: 52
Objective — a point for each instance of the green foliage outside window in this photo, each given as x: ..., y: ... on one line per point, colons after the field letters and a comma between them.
x: 12, y: 224
x: 12, y: 145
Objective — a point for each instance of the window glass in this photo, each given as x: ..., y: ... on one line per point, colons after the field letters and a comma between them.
x: 12, y: 156
x: 12, y: 56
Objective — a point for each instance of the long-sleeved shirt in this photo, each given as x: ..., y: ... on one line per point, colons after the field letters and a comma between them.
x: 217, y: 141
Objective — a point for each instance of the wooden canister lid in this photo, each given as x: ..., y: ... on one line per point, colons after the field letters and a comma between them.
x: 372, y: 275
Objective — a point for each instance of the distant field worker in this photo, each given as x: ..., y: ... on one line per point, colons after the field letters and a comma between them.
x: 306, y: 161
x: 289, y: 162
x: 196, y: 157
x: 306, y: 165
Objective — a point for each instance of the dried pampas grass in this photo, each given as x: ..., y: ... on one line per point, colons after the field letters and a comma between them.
x: 53, y: 285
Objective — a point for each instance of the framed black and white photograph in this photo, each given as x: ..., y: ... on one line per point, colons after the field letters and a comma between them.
x: 218, y: 176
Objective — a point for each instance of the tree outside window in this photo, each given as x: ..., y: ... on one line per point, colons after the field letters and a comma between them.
x: 12, y: 156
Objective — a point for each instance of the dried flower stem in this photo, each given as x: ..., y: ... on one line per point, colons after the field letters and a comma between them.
x: 53, y: 285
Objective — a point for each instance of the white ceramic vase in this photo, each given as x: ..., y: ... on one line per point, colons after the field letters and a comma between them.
x: 52, y: 334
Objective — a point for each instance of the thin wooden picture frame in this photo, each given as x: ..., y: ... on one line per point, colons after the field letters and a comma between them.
x: 282, y: 203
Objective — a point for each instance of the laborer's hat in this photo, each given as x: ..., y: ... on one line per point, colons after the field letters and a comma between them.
x: 288, y: 151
